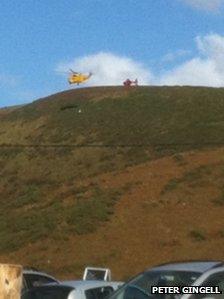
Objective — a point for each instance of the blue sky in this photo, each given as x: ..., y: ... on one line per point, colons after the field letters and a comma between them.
x: 159, y: 41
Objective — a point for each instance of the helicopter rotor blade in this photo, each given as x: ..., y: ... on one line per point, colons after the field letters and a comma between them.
x: 73, y: 71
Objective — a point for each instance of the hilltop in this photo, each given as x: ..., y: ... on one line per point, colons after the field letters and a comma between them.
x: 113, y: 177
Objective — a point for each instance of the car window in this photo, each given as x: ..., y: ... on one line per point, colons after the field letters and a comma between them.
x: 36, y: 280
x: 98, y: 293
x: 216, y: 279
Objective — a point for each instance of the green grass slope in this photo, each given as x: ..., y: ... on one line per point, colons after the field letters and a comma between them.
x: 113, y: 116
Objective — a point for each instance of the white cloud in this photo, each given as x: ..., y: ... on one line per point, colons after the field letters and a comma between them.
x: 172, y: 56
x: 209, y: 5
x: 206, y: 69
x: 108, y: 69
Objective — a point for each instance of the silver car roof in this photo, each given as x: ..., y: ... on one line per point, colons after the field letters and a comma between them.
x: 191, y: 266
x: 87, y: 284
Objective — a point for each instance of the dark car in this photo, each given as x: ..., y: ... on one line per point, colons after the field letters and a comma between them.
x: 173, y: 274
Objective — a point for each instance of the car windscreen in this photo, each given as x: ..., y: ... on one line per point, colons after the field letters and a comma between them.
x: 140, y: 286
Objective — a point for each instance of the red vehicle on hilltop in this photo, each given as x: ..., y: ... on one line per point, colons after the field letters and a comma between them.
x: 128, y: 83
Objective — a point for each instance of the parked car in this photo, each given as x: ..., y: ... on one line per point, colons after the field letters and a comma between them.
x: 172, y: 274
x: 33, y: 278
x: 79, y: 289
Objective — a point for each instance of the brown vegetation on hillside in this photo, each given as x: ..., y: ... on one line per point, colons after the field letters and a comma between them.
x: 140, y: 184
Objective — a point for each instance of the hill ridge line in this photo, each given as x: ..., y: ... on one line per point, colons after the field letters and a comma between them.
x: 111, y: 145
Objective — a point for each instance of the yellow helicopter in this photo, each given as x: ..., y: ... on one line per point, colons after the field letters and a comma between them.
x: 77, y: 78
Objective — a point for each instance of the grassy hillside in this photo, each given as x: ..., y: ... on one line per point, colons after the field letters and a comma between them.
x: 129, y: 173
